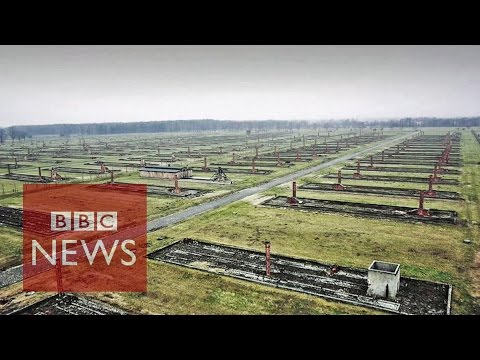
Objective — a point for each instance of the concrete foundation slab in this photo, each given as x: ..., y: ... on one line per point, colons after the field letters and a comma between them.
x: 346, y: 284
x: 69, y: 304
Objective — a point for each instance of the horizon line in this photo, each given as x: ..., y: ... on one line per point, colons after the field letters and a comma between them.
x: 362, y: 119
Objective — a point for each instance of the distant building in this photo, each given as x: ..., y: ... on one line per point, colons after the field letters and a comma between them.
x: 165, y: 172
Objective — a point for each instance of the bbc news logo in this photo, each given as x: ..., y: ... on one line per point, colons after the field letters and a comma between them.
x: 84, y: 221
x: 86, y: 238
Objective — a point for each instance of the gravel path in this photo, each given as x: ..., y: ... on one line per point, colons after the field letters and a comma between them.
x: 11, y: 275
x: 14, y: 274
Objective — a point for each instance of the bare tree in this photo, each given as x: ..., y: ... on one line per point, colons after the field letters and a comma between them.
x: 21, y: 135
x: 13, y: 133
x: 2, y: 135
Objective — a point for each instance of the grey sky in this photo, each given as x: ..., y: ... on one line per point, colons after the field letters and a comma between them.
x: 68, y: 84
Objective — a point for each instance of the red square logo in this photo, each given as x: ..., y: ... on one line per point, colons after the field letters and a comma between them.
x: 84, y: 238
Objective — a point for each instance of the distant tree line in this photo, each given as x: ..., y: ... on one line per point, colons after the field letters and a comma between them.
x: 161, y: 126
x: 428, y: 122
x: 24, y: 131
x: 14, y: 133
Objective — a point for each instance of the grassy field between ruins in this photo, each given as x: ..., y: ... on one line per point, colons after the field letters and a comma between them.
x: 425, y: 251
x: 430, y: 252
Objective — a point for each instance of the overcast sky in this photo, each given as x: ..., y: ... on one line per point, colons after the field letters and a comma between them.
x: 71, y: 84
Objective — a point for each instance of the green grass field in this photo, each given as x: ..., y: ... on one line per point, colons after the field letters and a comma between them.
x: 429, y: 252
